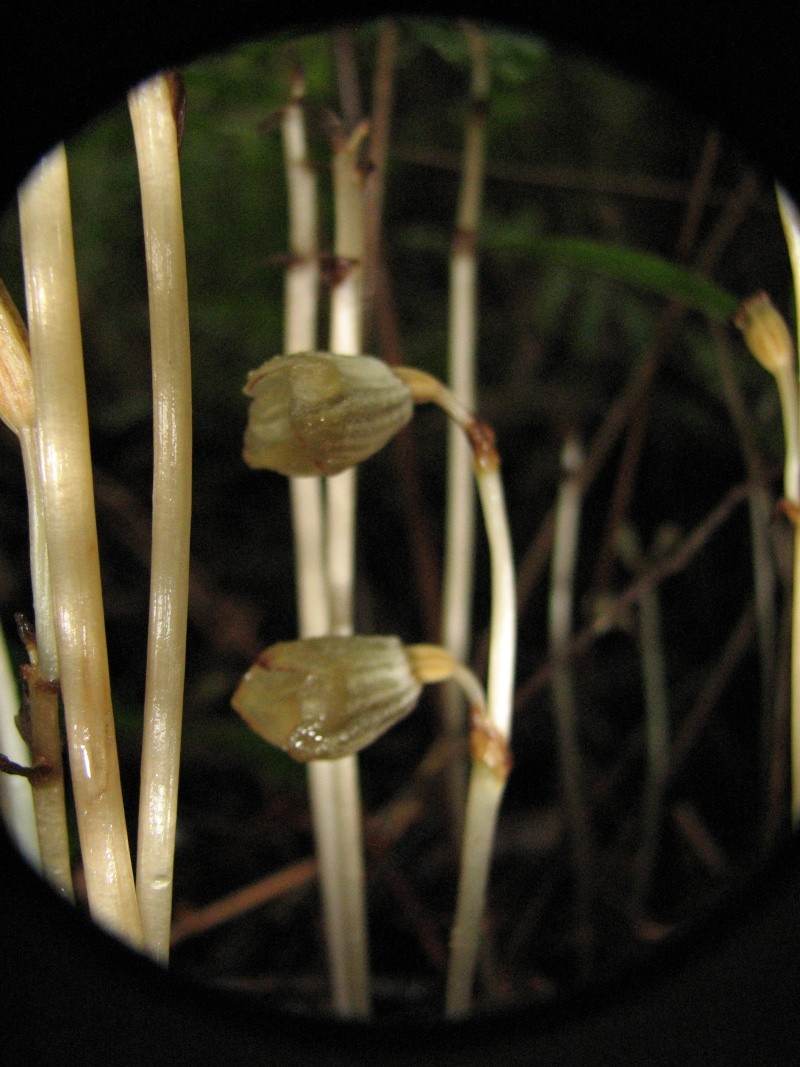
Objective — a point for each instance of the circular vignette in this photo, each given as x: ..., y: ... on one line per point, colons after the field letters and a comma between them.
x: 74, y: 995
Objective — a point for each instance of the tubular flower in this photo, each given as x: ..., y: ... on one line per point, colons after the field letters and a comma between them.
x: 318, y: 413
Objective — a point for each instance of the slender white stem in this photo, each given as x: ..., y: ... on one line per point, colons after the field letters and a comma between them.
x: 560, y: 625
x: 43, y: 687
x: 60, y: 390
x: 787, y: 387
x: 335, y: 788
x: 153, y: 107
x: 790, y: 220
x: 459, y: 536
x: 301, y: 309
x: 488, y: 776
x: 16, y: 798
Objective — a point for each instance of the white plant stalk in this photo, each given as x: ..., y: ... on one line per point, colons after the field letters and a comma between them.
x: 560, y: 625
x: 335, y: 787
x: 155, y: 108
x: 459, y: 536
x: 491, y: 760
x: 768, y: 338
x: 301, y: 308
x: 16, y: 797
x: 787, y: 387
x: 40, y: 678
x: 61, y: 409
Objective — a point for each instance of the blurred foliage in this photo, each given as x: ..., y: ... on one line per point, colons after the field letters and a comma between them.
x: 588, y: 180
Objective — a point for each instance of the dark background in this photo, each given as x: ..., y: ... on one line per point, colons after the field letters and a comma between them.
x: 71, y: 995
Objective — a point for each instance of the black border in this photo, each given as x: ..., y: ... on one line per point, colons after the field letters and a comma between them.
x: 731, y: 995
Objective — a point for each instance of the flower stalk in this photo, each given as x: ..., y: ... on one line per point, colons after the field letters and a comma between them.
x: 459, y: 537
x: 40, y: 677
x: 767, y: 336
x: 156, y: 111
x: 790, y: 220
x: 66, y: 471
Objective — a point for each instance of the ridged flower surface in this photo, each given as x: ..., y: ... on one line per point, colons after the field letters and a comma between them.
x: 326, y: 697
x: 318, y: 413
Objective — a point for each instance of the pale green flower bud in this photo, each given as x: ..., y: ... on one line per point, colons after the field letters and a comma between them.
x: 326, y: 697
x: 765, y: 332
x: 320, y: 413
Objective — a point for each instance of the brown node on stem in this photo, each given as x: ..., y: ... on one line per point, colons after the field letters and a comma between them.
x: 34, y: 680
x: 484, y: 444
x: 27, y: 635
x: 177, y: 98
x: 789, y: 509
x: 464, y: 240
x: 22, y: 720
x: 336, y: 268
x: 479, y: 109
x: 488, y: 746
x: 37, y: 774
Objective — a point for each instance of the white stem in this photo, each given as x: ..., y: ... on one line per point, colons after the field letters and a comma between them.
x: 301, y: 308
x: 48, y: 795
x: 333, y: 786
x: 16, y: 797
x: 152, y: 109
x: 60, y: 391
x: 486, y: 784
x: 335, y: 789
x: 790, y: 220
x: 787, y: 386
x: 459, y: 535
x: 560, y: 625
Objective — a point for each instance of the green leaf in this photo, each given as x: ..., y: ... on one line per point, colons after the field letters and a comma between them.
x: 641, y: 269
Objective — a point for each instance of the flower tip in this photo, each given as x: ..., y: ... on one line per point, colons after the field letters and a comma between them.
x: 765, y: 332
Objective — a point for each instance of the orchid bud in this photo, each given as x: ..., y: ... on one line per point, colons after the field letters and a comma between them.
x: 326, y: 697
x: 319, y: 413
x: 765, y: 332
x: 16, y: 376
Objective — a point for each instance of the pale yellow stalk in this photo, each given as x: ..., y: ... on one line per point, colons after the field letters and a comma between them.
x: 45, y: 794
x: 301, y: 308
x: 560, y: 625
x: 155, y: 108
x: 16, y: 798
x: 787, y: 387
x: 335, y: 787
x: 491, y: 760
x: 459, y: 536
x: 60, y: 391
